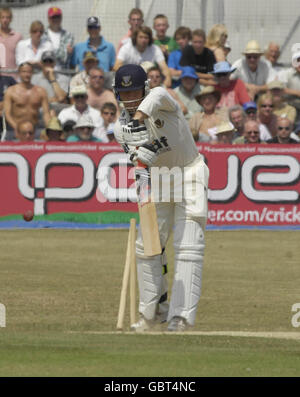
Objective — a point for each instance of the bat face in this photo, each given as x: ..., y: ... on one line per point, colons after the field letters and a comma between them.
x: 147, y: 211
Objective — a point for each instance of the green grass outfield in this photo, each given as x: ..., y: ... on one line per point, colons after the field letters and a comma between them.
x: 61, y: 290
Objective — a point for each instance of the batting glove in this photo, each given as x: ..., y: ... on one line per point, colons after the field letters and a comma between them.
x: 145, y: 154
x: 135, y: 134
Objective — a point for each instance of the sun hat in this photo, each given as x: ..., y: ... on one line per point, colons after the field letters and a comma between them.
x: 253, y: 47
x: 189, y: 71
x: 209, y: 89
x: 225, y: 127
x: 222, y: 67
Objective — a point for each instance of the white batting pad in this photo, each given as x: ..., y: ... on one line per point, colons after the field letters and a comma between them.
x: 189, y: 247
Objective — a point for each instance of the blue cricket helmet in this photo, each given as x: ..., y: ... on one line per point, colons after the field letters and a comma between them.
x: 130, y: 77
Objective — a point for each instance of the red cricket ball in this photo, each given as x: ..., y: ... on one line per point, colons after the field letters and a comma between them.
x: 28, y: 215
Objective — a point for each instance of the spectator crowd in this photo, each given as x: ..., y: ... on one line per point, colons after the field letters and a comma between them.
x: 54, y: 89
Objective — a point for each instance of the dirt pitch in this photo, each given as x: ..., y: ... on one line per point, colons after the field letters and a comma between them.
x: 61, y: 291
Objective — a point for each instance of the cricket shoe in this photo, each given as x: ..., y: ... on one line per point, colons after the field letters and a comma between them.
x: 177, y: 324
x: 144, y: 325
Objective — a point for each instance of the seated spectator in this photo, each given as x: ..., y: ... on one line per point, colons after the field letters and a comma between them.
x: 25, y: 131
x: 61, y: 40
x: 292, y: 81
x: 9, y: 40
x: 84, y: 130
x: 237, y: 117
x: 23, y: 101
x: 284, y: 130
x: 199, y: 57
x: 96, y: 43
x: 31, y: 50
x: 271, y: 57
x: 224, y: 133
x: 281, y: 107
x: 80, y: 108
x: 166, y: 43
x: 135, y: 20
x: 296, y: 133
x: 156, y: 78
x: 216, y: 40
x: 251, y: 133
x: 188, y: 90
x: 89, y: 61
x: 210, y: 117
x: 55, y: 84
x: 54, y: 131
x: 109, y: 115
x: 254, y: 71
x: 97, y: 94
x: 250, y: 108
x: 68, y: 128
x: 266, y: 118
x: 141, y: 49
x: 233, y: 91
x: 182, y: 35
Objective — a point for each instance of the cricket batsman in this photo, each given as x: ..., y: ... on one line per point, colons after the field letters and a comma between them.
x: 153, y: 131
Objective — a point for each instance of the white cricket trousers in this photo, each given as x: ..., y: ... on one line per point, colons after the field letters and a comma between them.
x: 188, y: 219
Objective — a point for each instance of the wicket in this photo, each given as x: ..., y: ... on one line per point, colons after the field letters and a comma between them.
x: 129, y: 275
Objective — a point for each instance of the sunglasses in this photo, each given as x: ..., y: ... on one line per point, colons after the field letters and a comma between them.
x: 222, y: 74
x: 251, y: 111
x: 253, y: 132
x: 266, y: 106
x: 111, y: 113
x: 80, y: 96
x: 252, y: 56
x: 283, y: 128
x: 48, y: 60
x: 97, y: 77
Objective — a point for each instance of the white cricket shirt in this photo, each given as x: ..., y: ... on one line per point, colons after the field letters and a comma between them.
x: 168, y: 128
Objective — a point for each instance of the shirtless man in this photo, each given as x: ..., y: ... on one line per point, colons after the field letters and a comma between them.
x: 24, y: 100
x: 97, y: 93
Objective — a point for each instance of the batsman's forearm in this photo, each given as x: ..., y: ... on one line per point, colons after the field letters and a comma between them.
x: 140, y: 116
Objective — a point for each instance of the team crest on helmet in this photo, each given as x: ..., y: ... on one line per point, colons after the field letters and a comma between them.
x: 159, y: 123
x: 126, y: 81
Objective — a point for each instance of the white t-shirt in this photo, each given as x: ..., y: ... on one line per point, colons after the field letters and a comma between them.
x: 71, y: 113
x: 261, y: 76
x: 129, y: 54
x: 167, y: 127
x: 54, y: 38
x: 264, y: 132
x: 25, y: 53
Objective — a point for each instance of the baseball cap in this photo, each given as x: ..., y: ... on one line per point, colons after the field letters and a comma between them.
x: 93, y: 22
x: 249, y: 105
x: 78, y: 90
x: 48, y: 55
x: 189, y: 71
x: 54, y: 11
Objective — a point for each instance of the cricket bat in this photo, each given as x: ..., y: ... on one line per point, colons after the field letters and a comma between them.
x: 147, y: 212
